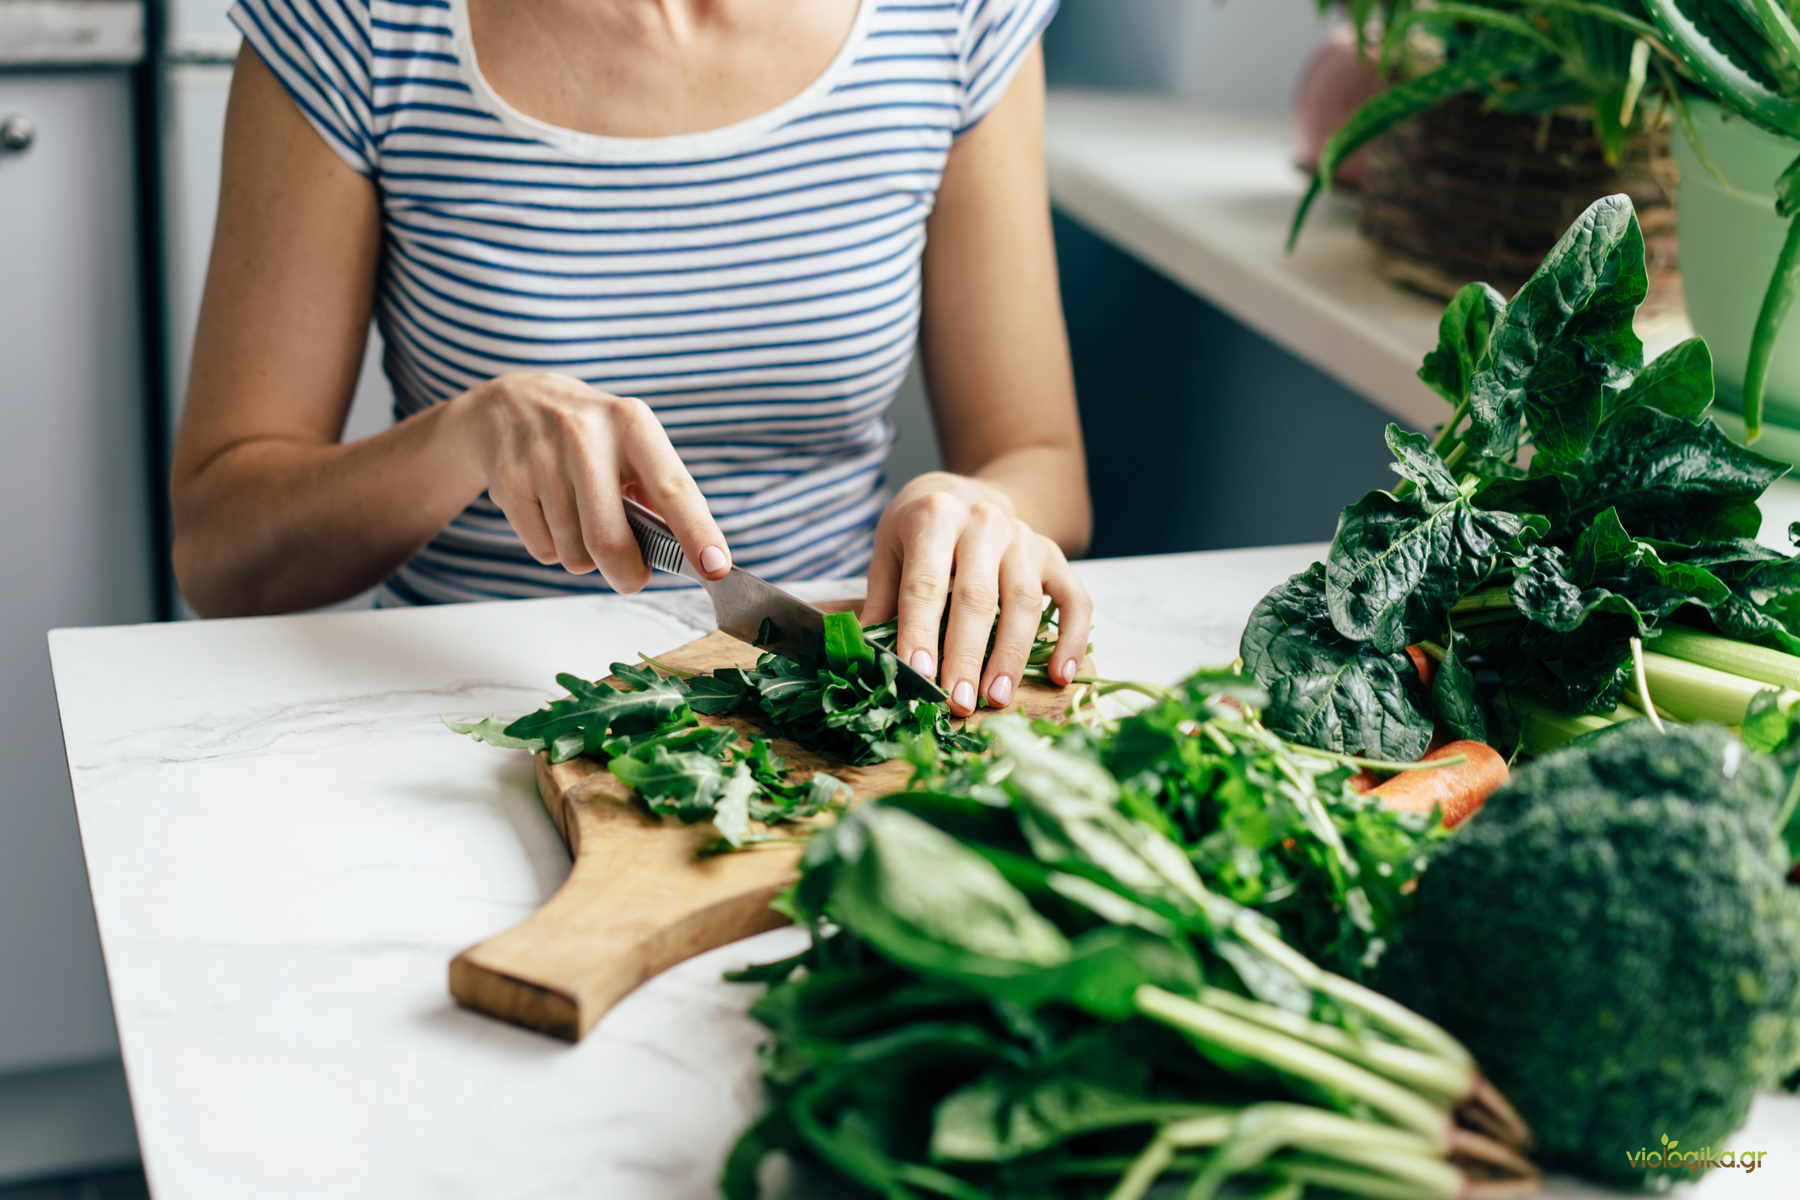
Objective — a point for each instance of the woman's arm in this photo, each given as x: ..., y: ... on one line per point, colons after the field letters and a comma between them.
x: 991, y: 535
x: 271, y: 513
x: 996, y: 356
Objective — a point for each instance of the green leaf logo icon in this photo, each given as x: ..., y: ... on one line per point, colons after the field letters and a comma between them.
x: 1668, y: 1143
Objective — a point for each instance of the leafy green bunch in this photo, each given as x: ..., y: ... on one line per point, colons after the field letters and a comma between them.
x: 1576, y: 501
x: 1016, y: 988
x: 1268, y: 824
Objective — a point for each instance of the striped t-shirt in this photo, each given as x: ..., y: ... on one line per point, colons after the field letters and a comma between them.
x: 756, y: 284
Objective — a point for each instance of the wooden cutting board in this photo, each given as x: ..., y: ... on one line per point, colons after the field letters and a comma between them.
x: 638, y: 900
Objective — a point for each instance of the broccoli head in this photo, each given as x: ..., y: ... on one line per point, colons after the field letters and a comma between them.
x: 1614, y: 940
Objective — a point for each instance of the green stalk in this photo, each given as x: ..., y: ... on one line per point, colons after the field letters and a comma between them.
x: 1642, y: 698
x: 1390, y: 1015
x: 1542, y: 729
x: 1776, y: 302
x: 1734, y: 657
x: 1296, y: 1059
x: 1449, y: 1083
x: 1486, y: 600
x: 1691, y: 692
x: 1369, y: 1184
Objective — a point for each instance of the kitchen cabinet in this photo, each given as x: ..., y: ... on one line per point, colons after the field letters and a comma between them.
x: 78, y: 551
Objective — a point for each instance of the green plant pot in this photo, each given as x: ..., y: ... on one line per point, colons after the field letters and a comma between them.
x: 1730, y: 240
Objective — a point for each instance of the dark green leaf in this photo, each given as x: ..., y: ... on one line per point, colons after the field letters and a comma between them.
x: 1398, y: 564
x: 1565, y: 342
x: 1462, y: 347
x: 1325, y: 690
x: 1454, y: 700
x: 1672, y: 479
x: 1679, y: 381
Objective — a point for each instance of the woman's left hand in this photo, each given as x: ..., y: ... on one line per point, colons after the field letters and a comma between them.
x: 949, y: 539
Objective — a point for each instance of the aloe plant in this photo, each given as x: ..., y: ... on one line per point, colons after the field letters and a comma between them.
x: 1746, y: 55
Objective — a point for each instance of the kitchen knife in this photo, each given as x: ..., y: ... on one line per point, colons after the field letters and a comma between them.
x: 753, y: 610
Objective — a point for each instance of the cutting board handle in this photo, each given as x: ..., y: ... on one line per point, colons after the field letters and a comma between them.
x: 636, y: 903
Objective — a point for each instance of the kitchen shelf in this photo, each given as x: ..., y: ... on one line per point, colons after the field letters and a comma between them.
x: 1205, y: 197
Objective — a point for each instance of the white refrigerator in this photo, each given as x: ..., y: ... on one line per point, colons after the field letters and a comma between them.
x: 198, y: 48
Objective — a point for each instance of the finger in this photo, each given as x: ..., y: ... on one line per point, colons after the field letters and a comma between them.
x: 666, y: 486
x: 1075, y: 619
x: 527, y: 520
x: 927, y: 550
x: 607, y: 536
x: 564, y: 520
x: 1021, y: 603
x: 974, y: 602
x: 881, y: 597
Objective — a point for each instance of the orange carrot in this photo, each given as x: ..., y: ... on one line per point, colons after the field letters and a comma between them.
x: 1365, y: 781
x: 1423, y: 663
x: 1456, y: 791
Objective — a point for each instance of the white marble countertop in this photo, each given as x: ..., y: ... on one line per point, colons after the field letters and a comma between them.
x: 286, y: 848
x: 1206, y: 197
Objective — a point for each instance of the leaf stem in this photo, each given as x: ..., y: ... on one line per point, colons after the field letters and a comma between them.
x: 665, y: 668
x: 1643, y: 684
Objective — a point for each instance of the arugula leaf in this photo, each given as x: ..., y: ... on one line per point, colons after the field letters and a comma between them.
x: 1326, y: 690
x: 845, y: 647
x: 583, y: 719
x: 1565, y: 343
x: 1398, y: 564
x: 491, y: 730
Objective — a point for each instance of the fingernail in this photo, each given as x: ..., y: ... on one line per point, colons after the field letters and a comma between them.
x: 712, y: 560
x: 1069, y: 667
x: 921, y: 662
x: 1000, y: 691
x: 964, y: 695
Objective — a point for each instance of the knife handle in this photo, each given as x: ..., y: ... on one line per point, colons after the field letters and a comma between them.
x: 657, y: 543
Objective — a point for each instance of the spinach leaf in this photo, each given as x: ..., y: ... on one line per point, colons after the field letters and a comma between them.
x: 1679, y: 381
x: 1463, y: 334
x: 1672, y: 479
x: 1326, y: 690
x: 1398, y: 564
x: 845, y: 647
x: 1565, y: 343
x: 1455, y: 703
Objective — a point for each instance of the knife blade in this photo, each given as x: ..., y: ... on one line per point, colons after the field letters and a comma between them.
x: 753, y: 610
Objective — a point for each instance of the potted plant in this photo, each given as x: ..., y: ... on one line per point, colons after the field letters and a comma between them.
x: 1506, y: 118
x: 1740, y: 186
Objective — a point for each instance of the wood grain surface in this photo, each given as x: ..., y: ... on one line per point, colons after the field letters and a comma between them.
x: 638, y: 900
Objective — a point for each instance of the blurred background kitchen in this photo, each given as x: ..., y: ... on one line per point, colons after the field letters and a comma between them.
x: 1203, y: 432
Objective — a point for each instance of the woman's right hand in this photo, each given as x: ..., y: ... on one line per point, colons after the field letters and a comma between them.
x: 556, y: 455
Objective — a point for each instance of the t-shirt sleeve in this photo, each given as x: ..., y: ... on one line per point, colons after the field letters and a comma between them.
x: 997, y: 34
x: 320, y: 51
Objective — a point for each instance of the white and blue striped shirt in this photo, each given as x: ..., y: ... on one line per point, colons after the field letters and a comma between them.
x: 757, y: 284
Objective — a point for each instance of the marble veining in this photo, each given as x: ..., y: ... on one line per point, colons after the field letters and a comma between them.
x: 286, y: 848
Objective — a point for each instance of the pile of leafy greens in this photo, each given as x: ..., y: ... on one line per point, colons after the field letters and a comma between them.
x: 644, y: 726
x: 1273, y: 826
x: 1019, y: 987
x: 1578, y: 503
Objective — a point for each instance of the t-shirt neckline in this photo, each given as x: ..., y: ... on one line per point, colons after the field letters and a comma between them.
x: 665, y: 146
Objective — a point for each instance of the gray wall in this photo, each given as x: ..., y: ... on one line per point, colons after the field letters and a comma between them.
x: 1201, y: 434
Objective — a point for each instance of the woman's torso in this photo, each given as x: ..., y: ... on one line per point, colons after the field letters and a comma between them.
x: 758, y: 284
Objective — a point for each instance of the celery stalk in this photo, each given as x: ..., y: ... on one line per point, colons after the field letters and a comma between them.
x: 1689, y: 691
x: 1725, y: 654
x: 1542, y: 729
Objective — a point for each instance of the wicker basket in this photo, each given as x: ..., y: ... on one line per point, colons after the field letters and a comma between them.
x: 1461, y: 194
